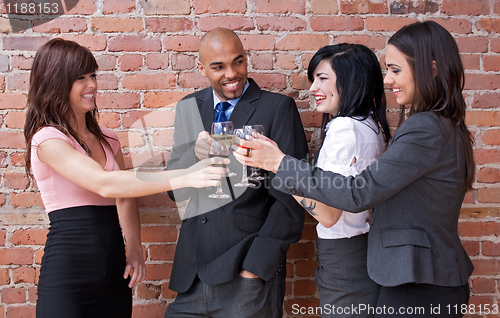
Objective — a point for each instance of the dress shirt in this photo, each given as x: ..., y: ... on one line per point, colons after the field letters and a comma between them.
x: 233, y: 102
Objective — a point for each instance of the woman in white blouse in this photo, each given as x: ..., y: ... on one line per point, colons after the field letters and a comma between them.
x: 347, y: 85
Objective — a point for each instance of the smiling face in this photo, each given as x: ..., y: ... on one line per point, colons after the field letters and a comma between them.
x: 324, y: 89
x: 224, y: 62
x: 83, y: 93
x: 399, y: 76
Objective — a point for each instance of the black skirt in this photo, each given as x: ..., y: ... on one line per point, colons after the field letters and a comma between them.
x: 82, y: 268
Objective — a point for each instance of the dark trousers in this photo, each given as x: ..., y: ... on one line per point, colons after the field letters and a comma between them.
x: 345, y: 289
x: 239, y: 298
x: 422, y: 300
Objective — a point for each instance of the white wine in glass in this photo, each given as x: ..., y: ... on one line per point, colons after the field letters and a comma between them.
x: 220, y: 146
x: 240, y: 134
x: 252, y: 130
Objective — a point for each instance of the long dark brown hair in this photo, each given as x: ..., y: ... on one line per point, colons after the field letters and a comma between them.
x: 57, y: 64
x: 424, y: 43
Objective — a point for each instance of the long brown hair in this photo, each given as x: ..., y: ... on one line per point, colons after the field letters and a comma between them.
x: 57, y: 64
x: 424, y: 43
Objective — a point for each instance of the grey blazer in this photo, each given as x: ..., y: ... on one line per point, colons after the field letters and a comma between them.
x: 416, y: 189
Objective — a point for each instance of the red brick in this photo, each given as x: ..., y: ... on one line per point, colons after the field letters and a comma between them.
x: 482, y: 81
x: 183, y: 62
x: 232, y: 22
x: 23, y: 274
x: 471, y: 247
x: 106, y: 62
x: 83, y: 7
x: 11, y: 140
x: 163, y: 138
x: 301, y: 251
x: 109, y: 120
x: 16, y: 180
x: 373, y: 42
x: 483, y: 285
x: 26, y: 199
x: 192, y: 80
x: 158, y: 271
x: 306, y: 268
x: 27, y: 311
x: 60, y: 25
x: 23, y: 43
x: 107, y: 81
x: 38, y: 258
x: 21, y: 62
x: 286, y: 61
x: 363, y: 7
x: 162, y: 99
x: 326, y: 7
x: 419, y: 7
x: 16, y: 256
x: 29, y: 237
x: 488, y: 175
x: 130, y: 62
x: 162, y: 252
x: 471, y: 61
x: 489, y: 248
x: 106, y: 24
x: 490, y: 25
x: 311, y: 119
x: 469, y: 197
x: 2, y: 83
x: 158, y: 7
x: 309, y: 230
x: 483, y: 118
x: 472, y: 45
x: 280, y: 24
x: 219, y: 6
x: 13, y: 295
x: 299, y: 81
x: 455, y: 25
x: 466, y: 7
x: 13, y: 101
x: 32, y: 294
x: 18, y: 81
x: 2, y: 238
x: 491, y: 137
x: 17, y: 159
x: 118, y: 100
x: 486, y: 100
x: 491, y: 63
x: 149, y: 81
x: 269, y: 81
x: 332, y: 23
x: 118, y: 6
x: 477, y: 229
x: 486, y: 266
x: 496, y: 7
x: 157, y: 61
x: 489, y: 195
x: 151, y: 310
x: 148, y: 291
x: 134, y: 43
x: 3, y: 160
x: 4, y: 277
x: 304, y: 287
x: 484, y: 156
x: 92, y: 42
x: 15, y: 119
x: 261, y: 42
x: 181, y: 43
x: 168, y: 25
x: 262, y: 61
x: 291, y: 6
x: 391, y: 24
x: 166, y: 292
x: 130, y: 139
x: 152, y: 234
x: 302, y: 42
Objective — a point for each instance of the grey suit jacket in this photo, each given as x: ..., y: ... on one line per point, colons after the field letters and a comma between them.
x: 416, y: 189
x: 253, y: 230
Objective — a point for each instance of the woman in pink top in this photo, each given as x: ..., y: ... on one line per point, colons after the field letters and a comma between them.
x: 78, y: 168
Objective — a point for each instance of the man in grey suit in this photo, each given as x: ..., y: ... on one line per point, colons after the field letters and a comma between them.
x: 231, y: 253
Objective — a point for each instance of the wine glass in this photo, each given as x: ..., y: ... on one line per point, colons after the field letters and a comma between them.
x: 220, y: 146
x: 240, y: 134
x: 253, y: 130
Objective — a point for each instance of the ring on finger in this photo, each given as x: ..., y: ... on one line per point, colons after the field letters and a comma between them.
x: 248, y: 153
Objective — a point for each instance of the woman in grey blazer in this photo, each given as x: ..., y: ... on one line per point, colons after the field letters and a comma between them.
x: 415, y: 188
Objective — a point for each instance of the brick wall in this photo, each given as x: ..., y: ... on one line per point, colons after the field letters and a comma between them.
x: 147, y: 53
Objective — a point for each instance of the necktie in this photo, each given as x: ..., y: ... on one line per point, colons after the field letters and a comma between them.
x: 220, y: 109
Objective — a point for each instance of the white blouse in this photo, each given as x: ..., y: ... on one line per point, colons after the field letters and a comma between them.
x: 347, y: 138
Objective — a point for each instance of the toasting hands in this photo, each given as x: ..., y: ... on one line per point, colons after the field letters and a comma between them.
x: 262, y: 153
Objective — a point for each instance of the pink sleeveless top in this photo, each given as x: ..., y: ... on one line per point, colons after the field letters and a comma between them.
x: 58, y: 192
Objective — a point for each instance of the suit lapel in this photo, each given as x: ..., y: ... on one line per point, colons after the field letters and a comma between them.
x: 206, y: 108
x: 244, y: 109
